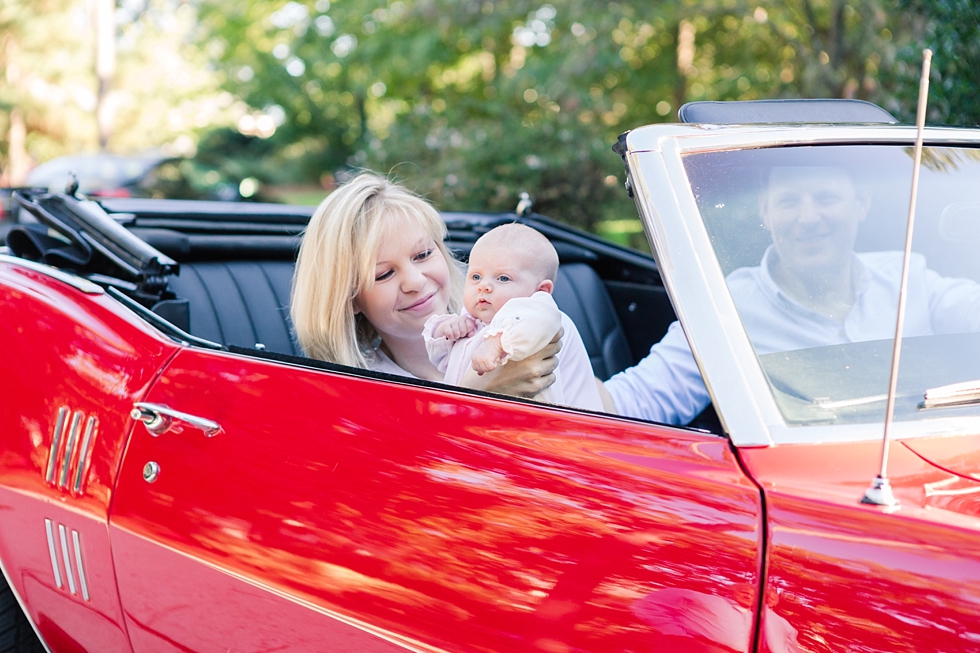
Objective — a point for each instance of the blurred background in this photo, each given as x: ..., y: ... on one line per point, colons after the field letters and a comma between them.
x: 468, y: 102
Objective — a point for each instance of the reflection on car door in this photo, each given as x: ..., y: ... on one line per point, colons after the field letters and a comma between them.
x: 338, y: 512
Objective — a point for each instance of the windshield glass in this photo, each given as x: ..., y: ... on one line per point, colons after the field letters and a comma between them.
x: 810, y: 240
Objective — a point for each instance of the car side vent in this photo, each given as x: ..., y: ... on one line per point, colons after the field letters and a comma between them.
x: 66, y: 552
x: 71, y: 444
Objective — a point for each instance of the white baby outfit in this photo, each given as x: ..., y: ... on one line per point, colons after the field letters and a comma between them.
x: 526, y: 325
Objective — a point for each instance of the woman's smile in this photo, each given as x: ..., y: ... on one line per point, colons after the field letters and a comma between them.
x: 422, y: 304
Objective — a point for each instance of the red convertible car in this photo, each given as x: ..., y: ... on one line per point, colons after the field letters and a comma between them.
x: 176, y: 476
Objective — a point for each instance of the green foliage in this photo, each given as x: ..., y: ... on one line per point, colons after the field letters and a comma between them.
x: 467, y: 101
x: 470, y: 102
x: 951, y: 28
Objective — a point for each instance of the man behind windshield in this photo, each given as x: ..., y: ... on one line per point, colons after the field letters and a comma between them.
x: 811, y: 289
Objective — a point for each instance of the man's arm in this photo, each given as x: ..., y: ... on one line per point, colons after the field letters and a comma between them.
x: 665, y: 387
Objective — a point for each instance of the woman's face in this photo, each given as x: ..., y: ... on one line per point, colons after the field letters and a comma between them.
x: 411, y: 283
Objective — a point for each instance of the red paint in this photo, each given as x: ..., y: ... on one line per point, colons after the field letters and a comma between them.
x: 455, y: 521
x: 847, y: 576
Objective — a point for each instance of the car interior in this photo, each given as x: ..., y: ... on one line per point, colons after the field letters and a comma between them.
x: 223, y: 272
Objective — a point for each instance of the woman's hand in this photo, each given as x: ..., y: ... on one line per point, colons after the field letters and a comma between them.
x: 524, y: 378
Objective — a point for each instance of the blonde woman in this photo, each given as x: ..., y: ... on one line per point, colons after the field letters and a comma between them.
x: 372, y: 269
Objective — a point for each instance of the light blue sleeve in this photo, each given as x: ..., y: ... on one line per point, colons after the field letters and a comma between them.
x: 665, y: 386
x: 954, y: 304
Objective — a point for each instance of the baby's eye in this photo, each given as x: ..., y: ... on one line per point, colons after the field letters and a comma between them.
x: 503, y: 278
x: 381, y: 276
x: 475, y: 277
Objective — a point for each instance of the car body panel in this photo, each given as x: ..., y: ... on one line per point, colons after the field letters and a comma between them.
x: 73, y: 365
x: 958, y: 454
x: 461, y: 522
x: 842, y: 572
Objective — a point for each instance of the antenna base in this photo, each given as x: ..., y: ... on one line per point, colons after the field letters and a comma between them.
x: 880, y: 494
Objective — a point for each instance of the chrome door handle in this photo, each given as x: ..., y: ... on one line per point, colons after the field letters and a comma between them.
x: 158, y: 419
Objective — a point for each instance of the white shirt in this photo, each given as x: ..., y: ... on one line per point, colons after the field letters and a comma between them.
x: 666, y: 386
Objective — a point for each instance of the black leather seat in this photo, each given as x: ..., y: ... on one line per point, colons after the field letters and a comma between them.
x: 239, y: 302
x: 247, y: 302
x: 580, y: 293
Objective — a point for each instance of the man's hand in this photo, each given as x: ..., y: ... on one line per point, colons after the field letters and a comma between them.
x: 455, y: 327
x: 488, y: 355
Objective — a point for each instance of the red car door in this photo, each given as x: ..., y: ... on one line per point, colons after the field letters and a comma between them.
x: 334, y: 512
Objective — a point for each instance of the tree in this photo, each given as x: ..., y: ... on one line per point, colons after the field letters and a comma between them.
x: 951, y: 28
x: 44, y: 100
x: 472, y: 101
x: 162, y: 93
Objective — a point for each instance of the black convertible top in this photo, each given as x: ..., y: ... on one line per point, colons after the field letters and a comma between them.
x: 750, y: 112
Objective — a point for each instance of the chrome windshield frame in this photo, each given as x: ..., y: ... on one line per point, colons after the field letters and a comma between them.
x: 696, y: 283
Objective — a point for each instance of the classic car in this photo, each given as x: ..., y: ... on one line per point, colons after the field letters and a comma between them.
x: 176, y: 476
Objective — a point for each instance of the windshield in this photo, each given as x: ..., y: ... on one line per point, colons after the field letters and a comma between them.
x: 810, y: 240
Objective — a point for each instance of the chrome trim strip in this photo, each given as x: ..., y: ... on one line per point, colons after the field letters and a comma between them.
x: 76, y: 422
x: 84, y: 285
x: 76, y: 544
x: 23, y: 606
x: 49, y: 527
x: 55, y: 441
x: 82, y: 465
x: 64, y: 551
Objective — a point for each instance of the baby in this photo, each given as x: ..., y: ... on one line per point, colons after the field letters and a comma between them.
x: 509, y: 315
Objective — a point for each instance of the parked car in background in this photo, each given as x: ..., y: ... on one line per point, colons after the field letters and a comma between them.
x: 146, y: 175
x: 175, y: 475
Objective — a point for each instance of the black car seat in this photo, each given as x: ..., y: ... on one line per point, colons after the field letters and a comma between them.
x: 245, y: 303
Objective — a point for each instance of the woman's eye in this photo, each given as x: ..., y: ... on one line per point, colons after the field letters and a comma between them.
x: 384, y: 275
x: 421, y: 256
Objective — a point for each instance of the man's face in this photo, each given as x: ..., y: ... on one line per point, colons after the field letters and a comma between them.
x: 813, y: 215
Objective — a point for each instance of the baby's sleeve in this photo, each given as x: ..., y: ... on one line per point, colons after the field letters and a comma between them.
x: 437, y: 348
x: 525, y: 325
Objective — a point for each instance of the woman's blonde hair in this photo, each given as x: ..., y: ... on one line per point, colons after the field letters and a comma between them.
x: 337, y: 262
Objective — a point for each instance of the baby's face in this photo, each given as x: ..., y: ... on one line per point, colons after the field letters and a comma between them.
x: 495, y: 276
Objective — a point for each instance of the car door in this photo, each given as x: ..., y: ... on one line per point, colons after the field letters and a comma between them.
x: 341, y: 511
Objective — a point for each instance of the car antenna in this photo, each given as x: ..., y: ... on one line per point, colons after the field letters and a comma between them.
x: 880, y: 493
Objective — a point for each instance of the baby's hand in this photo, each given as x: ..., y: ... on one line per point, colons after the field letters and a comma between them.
x: 488, y: 355
x: 456, y: 327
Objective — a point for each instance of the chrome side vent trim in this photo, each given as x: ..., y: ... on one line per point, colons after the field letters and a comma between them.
x: 59, y: 426
x: 76, y: 422
x: 63, y: 532
x: 49, y: 527
x: 78, y: 564
x: 68, y: 460
x: 81, y: 466
x: 70, y: 549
